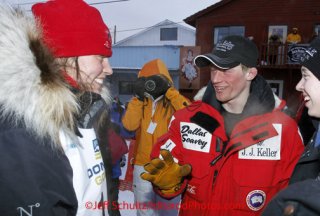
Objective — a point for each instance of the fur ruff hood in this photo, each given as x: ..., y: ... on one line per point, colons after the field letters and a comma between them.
x: 33, y: 91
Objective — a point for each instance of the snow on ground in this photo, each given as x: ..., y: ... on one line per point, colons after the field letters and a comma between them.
x: 126, y: 201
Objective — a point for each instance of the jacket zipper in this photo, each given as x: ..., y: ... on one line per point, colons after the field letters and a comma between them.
x: 216, y: 159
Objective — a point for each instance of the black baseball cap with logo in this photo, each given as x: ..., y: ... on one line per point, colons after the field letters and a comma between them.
x: 230, y: 52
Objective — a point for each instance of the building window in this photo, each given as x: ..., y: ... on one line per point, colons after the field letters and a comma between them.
x: 221, y: 32
x: 126, y: 87
x: 168, y: 34
x: 280, y: 30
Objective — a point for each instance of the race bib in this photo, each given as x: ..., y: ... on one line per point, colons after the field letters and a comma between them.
x: 169, y: 145
x: 194, y: 137
x: 268, y: 149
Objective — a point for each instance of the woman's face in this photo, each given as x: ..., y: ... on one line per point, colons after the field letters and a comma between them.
x: 309, y: 85
x: 93, y: 70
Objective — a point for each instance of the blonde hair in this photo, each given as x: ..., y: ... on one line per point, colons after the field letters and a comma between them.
x: 244, y: 68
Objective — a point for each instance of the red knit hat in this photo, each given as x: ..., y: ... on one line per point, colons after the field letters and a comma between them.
x: 73, y: 28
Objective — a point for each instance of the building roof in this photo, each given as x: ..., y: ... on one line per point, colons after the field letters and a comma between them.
x: 163, y: 23
x: 191, y: 20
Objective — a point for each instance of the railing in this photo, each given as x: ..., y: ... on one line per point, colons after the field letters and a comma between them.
x: 280, y: 55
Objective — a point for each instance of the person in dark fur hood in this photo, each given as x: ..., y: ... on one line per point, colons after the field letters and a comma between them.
x: 54, y: 155
x: 231, y: 152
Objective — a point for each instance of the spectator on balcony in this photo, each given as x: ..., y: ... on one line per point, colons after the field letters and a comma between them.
x: 273, y: 48
x: 294, y: 37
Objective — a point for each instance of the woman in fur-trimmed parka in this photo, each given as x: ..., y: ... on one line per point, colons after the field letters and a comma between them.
x: 81, y: 42
x: 150, y: 117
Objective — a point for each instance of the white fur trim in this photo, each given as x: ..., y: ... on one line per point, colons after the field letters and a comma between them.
x: 45, y: 109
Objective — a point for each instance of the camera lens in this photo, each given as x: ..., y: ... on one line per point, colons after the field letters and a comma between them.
x: 150, y: 85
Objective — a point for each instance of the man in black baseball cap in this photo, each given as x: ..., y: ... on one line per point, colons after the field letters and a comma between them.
x: 234, y: 75
x: 237, y: 145
x: 230, y: 52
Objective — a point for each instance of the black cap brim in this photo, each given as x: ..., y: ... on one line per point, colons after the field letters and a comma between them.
x: 208, y: 59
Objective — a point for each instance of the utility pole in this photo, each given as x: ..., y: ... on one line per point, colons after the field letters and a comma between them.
x: 114, y: 34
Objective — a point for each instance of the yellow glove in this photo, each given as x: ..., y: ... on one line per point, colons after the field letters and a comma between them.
x: 165, y: 174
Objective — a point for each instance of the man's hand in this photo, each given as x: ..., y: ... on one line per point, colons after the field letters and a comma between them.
x: 165, y: 174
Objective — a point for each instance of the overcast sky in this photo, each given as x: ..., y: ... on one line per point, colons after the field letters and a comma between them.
x: 132, y: 16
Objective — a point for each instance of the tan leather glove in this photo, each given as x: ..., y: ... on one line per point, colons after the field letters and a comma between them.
x: 165, y: 174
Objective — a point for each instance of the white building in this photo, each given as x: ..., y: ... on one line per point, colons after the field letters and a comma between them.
x: 162, y: 41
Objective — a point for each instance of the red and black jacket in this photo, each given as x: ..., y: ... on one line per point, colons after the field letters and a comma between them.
x: 234, y: 173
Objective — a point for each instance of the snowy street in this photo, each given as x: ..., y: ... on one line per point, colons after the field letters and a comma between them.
x: 126, y: 200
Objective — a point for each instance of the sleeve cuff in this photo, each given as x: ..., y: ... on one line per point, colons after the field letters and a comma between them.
x: 174, y: 194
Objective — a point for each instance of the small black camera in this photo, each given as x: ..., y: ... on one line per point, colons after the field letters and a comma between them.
x: 150, y: 85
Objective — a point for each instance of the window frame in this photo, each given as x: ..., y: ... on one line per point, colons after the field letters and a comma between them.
x: 165, y: 34
x: 217, y: 36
